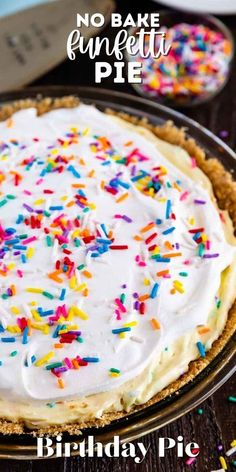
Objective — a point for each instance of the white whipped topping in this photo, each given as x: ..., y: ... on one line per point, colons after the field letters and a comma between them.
x: 40, y: 140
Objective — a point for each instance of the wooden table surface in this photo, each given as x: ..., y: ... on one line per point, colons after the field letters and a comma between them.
x: 217, y: 424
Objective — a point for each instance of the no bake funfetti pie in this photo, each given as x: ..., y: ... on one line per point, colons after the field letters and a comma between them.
x: 117, y: 264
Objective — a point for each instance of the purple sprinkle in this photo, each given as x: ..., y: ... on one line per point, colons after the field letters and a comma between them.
x: 28, y: 208
x: 127, y: 219
x: 57, y: 370
x: 133, y: 171
x: 220, y: 447
x: 223, y: 133
x: 124, y: 286
x: 208, y: 256
x: 135, y: 295
x: 78, y: 333
x: 177, y: 245
x: 200, y: 202
x: 136, y: 305
x: 16, y: 253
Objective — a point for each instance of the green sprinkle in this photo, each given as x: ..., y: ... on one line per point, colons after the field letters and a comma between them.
x: 3, y: 202
x: 232, y: 399
x: 48, y: 240
x: 10, y: 196
x: 116, y: 371
x: 183, y: 274
x: 81, y: 266
x: 218, y: 304
x: 48, y: 295
x: 4, y: 296
x: 54, y: 365
x: 77, y: 242
x: 23, y: 236
x: 79, y: 339
x: 50, y: 405
x: 46, y: 213
x: 85, y: 210
x: 234, y: 463
x: 13, y: 353
x: 201, y: 250
x: 122, y: 298
x: 200, y: 411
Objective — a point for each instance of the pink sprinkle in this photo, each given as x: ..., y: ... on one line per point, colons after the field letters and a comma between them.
x: 137, y: 258
x: 120, y: 305
x: 184, y: 196
x: 19, y: 273
x: 27, y: 192
x: 187, y: 262
x: 68, y: 362
x: 208, y: 245
x: 190, y: 461
x: 39, y: 181
x: 193, y: 162
x: 142, y: 264
x: 118, y: 315
x: 29, y: 240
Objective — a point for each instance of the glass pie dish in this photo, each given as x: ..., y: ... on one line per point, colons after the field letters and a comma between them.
x: 222, y: 367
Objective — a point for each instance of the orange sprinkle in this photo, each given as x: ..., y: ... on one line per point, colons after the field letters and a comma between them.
x: 91, y: 173
x: 75, y: 364
x: 85, y: 292
x: 9, y: 123
x: 203, y: 329
x: 81, y: 161
x: 78, y: 185
x: 110, y: 234
x: 13, y: 289
x: 58, y: 345
x: 144, y: 297
x: 162, y: 272
x: 173, y: 254
x: 61, y: 383
x: 172, y: 291
x: 175, y: 185
x: 87, y: 274
x: 102, y: 184
x: 29, y: 326
x: 70, y: 204
x: 122, y: 197
x: 129, y: 143
x: 137, y: 238
x: 147, y: 227
x: 3, y: 273
x: 168, y: 245
x: 54, y: 276
x: 155, y: 324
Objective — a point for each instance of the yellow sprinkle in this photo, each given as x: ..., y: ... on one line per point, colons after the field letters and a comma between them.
x: 81, y: 287
x: 146, y: 282
x: 44, y: 359
x: 61, y: 383
x: 78, y: 312
x: 15, y: 310
x: 13, y: 329
x: 178, y: 286
x: 11, y: 266
x: 191, y: 221
x: 233, y: 443
x: 36, y: 315
x: 64, y: 198
x: 54, y: 151
x: 34, y: 290
x: 223, y: 463
x: 39, y: 201
x: 122, y: 197
x: 114, y: 374
x: 73, y: 282
x: 30, y: 252
x: 33, y: 303
x: 122, y: 335
x: 130, y: 324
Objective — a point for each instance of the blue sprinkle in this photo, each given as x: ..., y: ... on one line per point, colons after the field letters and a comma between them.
x: 19, y: 220
x: 73, y: 171
x: 63, y: 293
x: 158, y: 221
x: 154, y: 290
x: 54, y: 208
x: 201, y: 349
x: 169, y: 230
x: 8, y: 340
x: 91, y: 359
x: 104, y: 229
x: 168, y: 209
x: 33, y: 359
x: 120, y: 330
x: 23, y: 258
x: 25, y: 335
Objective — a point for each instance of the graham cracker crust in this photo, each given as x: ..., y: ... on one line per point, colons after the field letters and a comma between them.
x: 225, y: 192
